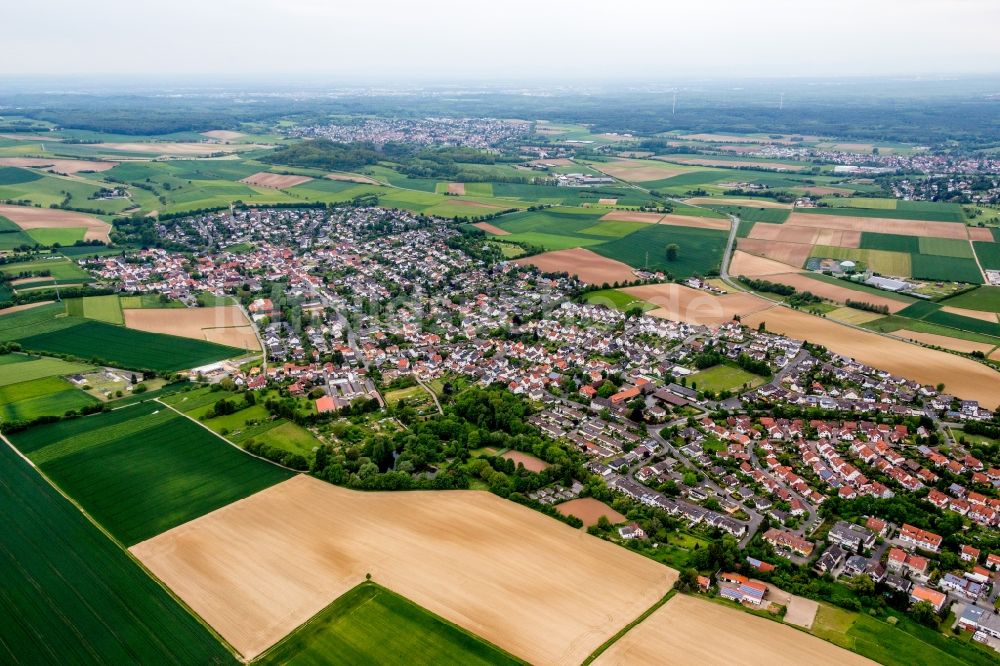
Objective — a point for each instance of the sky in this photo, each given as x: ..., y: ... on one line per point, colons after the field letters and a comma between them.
x: 435, y: 40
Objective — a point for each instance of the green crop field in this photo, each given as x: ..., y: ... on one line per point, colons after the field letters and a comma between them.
x: 890, y: 242
x: 986, y: 299
x: 700, y: 249
x: 372, y: 625
x: 79, y: 597
x: 47, y: 396
x: 723, y: 378
x: 860, y: 202
x: 21, y: 368
x: 617, y: 299
x: 50, y: 237
x: 613, y: 228
x: 932, y: 313
x: 59, y: 268
x: 950, y: 269
x: 16, y: 175
x: 142, y: 470
x: 770, y: 215
x: 919, y: 309
x: 945, y: 247
x: 116, y: 345
x: 899, y: 213
x: 988, y: 253
x: 100, y: 308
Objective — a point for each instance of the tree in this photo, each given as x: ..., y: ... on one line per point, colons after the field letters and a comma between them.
x: 672, y: 250
x: 923, y: 613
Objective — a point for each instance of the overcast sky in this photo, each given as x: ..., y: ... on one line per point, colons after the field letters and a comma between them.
x: 508, y: 39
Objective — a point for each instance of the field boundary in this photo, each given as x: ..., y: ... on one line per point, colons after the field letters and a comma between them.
x: 232, y: 444
x: 222, y: 641
x: 369, y: 582
x: 628, y: 627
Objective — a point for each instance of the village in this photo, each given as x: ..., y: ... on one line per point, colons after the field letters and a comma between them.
x: 349, y: 301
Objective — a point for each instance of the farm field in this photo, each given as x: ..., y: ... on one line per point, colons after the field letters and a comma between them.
x: 59, y: 267
x: 47, y: 396
x: 619, y: 300
x: 530, y: 462
x: 45, y: 329
x: 681, y: 303
x: 144, y: 469
x: 905, y: 644
x: 724, y: 378
x: 986, y: 299
x: 79, y: 597
x: 685, y: 630
x: 258, y: 568
x: 371, y: 624
x: 585, y: 264
x: 225, y: 324
x: 29, y: 218
x: 961, y: 376
x: 834, y: 290
x: 589, y: 510
x: 22, y: 368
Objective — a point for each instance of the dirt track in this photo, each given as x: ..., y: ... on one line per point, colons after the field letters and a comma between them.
x: 258, y: 568
x: 688, y: 630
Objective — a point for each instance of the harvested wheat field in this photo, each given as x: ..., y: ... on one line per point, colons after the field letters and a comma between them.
x: 223, y: 135
x: 57, y: 165
x: 980, y: 234
x: 793, y: 254
x: 607, y: 202
x: 632, y: 216
x: 530, y: 462
x: 784, y: 233
x: 588, y: 266
x: 962, y: 377
x: 638, y: 172
x: 732, y: 164
x: 456, y: 188
x: 689, y: 630
x: 679, y: 303
x: 834, y: 292
x: 241, y: 337
x: 275, y: 181
x: 945, y: 342
x: 878, y: 224
x: 751, y: 265
x: 491, y: 229
x: 214, y: 324
x: 257, y: 569
x: 589, y: 510
x: 28, y: 217
x: 697, y: 222
x: 731, y: 201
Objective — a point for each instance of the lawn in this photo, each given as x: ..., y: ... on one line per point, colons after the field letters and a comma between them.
x: 409, y: 394
x: 905, y: 644
x: 281, y: 434
x: 49, y: 237
x: 59, y: 268
x: 509, y: 250
x: 21, y: 368
x: 984, y: 299
x: 724, y: 378
x: 79, y: 597
x: 142, y: 470
x: 372, y: 625
x: 617, y: 299
x: 118, y: 346
x: 48, y: 396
